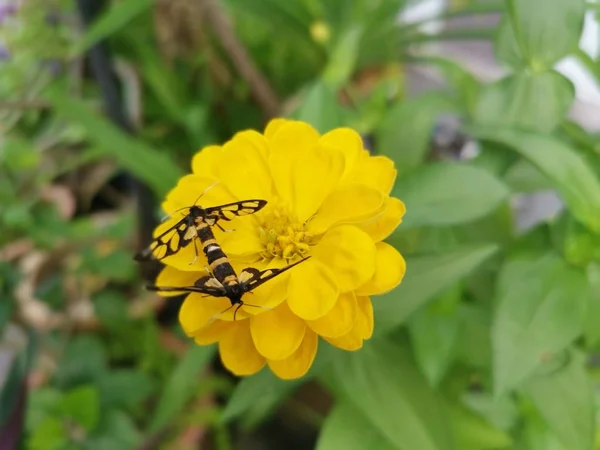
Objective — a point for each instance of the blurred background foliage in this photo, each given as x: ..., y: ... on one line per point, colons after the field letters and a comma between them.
x: 491, y: 342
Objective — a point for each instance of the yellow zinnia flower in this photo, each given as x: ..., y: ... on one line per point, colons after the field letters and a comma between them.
x: 328, y: 199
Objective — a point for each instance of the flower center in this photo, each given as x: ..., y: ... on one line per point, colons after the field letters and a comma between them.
x: 282, y: 235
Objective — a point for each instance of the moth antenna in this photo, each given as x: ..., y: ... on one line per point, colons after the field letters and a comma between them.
x: 205, y: 191
x: 216, y: 316
x: 266, y: 308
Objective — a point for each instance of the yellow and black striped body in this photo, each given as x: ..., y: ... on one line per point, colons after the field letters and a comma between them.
x: 217, y: 259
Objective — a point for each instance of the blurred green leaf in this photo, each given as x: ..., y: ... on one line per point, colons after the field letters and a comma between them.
x: 540, y: 311
x: 535, y: 435
x: 472, y: 432
x: 464, y: 84
x: 51, y: 434
x: 573, y: 178
x: 342, y: 60
x: 181, y: 386
x: 506, y: 47
x: 124, y: 388
x: 255, y: 395
x: 115, y: 431
x: 382, y: 381
x: 434, y: 331
x: 446, y: 194
x: 426, y: 276
x: 111, y: 308
x: 150, y: 165
x: 347, y: 428
x: 320, y: 108
x: 565, y: 399
x: 546, y: 30
x: 118, y: 265
x: 404, y: 135
x: 41, y: 402
x: 592, y: 316
x: 474, y: 346
x: 523, y: 176
x: 84, y: 360
x: 82, y: 405
x: 112, y: 20
x: 530, y: 101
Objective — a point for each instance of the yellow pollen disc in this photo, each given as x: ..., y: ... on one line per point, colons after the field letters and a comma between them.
x: 282, y: 235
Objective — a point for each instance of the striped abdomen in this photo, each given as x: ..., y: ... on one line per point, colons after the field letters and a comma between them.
x: 217, y: 259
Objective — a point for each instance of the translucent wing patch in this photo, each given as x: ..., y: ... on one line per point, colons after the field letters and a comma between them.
x: 251, y: 278
x: 170, y: 241
x: 230, y: 211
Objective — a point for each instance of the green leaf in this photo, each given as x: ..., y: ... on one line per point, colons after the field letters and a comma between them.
x: 320, y: 108
x: 343, y: 58
x: 446, y: 194
x: 51, y: 434
x: 257, y: 395
x: 152, y: 166
x: 523, y: 176
x: 181, y: 386
x: 529, y: 101
x: 565, y: 399
x: 347, y: 428
x: 535, y: 435
x: 405, y: 133
x: 81, y: 405
x: 464, y: 84
x: 546, y: 30
x: 506, y: 47
x: 111, y: 308
x: 472, y: 432
x: 434, y: 331
x: 116, y: 17
x: 474, y: 347
x: 116, y: 431
x: 124, y: 388
x: 573, y: 178
x: 382, y: 381
x: 426, y: 276
x: 540, y: 311
x: 592, y: 316
x: 83, y: 361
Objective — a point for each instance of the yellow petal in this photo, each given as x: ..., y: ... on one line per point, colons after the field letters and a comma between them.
x: 364, y: 318
x: 316, y: 173
x: 348, y: 203
x: 362, y: 329
x: 254, y: 139
x: 350, y: 255
x: 273, y: 126
x: 390, y: 268
x: 387, y: 222
x: 376, y: 171
x: 243, y: 169
x: 169, y: 276
x: 288, y: 144
x: 277, y: 333
x: 212, y: 333
x: 339, y: 320
x: 312, y: 290
x: 243, y: 242
x: 198, y: 311
x: 237, y: 350
x: 204, y: 162
x: 300, y: 361
x: 349, y: 143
